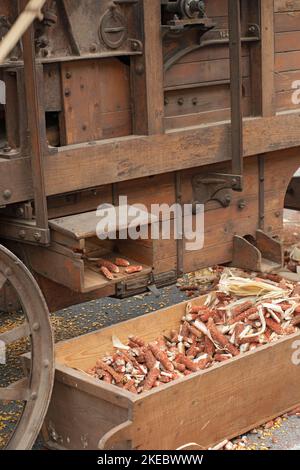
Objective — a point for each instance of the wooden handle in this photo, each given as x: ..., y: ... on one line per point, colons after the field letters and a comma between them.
x: 26, y: 18
x: 115, y: 436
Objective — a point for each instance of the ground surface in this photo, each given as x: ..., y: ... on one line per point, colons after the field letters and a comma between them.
x: 78, y: 320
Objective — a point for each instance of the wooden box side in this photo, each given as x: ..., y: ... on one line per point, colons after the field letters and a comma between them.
x: 222, y: 402
x: 81, y: 353
x: 77, y: 419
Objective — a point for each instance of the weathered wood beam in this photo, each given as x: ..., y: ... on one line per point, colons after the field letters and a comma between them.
x: 85, y: 166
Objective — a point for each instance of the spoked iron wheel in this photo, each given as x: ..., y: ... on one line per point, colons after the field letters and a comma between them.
x: 32, y: 392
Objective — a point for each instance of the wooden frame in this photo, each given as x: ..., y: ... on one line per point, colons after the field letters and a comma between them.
x: 222, y: 402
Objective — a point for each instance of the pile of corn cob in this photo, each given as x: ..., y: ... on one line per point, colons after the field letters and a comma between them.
x: 243, y: 314
x: 109, y: 269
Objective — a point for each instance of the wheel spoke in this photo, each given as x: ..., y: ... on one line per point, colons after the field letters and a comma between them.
x: 15, y: 334
x: 2, y: 280
x: 18, y: 391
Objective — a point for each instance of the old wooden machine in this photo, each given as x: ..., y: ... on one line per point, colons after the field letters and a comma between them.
x: 162, y: 101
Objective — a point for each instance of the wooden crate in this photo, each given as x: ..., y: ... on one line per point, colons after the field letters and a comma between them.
x: 204, y: 408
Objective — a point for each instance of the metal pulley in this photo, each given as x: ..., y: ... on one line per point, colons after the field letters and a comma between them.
x: 186, y: 8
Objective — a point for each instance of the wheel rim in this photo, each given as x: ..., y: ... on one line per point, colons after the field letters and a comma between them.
x: 34, y: 390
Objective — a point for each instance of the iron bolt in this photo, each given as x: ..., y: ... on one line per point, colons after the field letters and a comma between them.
x: 20, y: 212
x: 67, y: 92
x: 36, y: 327
x: 22, y: 234
x: 195, y: 101
x: 140, y: 69
x: 134, y: 45
x: 37, y: 236
x: 242, y: 205
x: 180, y: 101
x: 166, y: 101
x: 8, y: 272
x: 93, y: 48
x: 227, y: 199
x: 68, y: 75
x: 7, y: 194
x: 34, y: 396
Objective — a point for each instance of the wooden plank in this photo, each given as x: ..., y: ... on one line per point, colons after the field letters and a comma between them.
x: 229, y: 400
x: 203, y: 99
x: 286, y: 5
x: 267, y: 57
x: 85, y: 404
x: 287, y: 21
x: 286, y: 42
x: 85, y: 225
x: 96, y: 100
x: 287, y: 61
x: 81, y: 353
x: 153, y: 65
x: 136, y: 157
x: 201, y: 72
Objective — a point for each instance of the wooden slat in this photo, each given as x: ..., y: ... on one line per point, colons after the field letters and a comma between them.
x: 220, y: 403
x: 96, y: 100
x: 154, y: 65
x: 287, y: 21
x: 136, y: 157
x: 286, y: 5
x: 85, y: 225
x: 267, y: 51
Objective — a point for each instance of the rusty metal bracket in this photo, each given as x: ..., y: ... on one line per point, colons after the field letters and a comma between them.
x: 235, y: 48
x: 213, y: 187
x: 15, y: 229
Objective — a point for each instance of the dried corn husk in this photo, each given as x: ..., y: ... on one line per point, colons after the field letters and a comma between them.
x: 118, y: 344
x: 244, y: 287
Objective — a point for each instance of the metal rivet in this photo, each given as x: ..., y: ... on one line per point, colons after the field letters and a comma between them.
x: 195, y: 101
x: 140, y: 69
x: 46, y: 363
x: 180, y: 101
x: 242, y: 205
x: 93, y: 48
x: 166, y: 101
x: 134, y: 45
x: 68, y: 75
x: 34, y: 396
x: 36, y: 327
x: 37, y: 236
x: 8, y: 272
x: 22, y: 234
x: 67, y: 92
x: 278, y: 214
x: 7, y: 194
